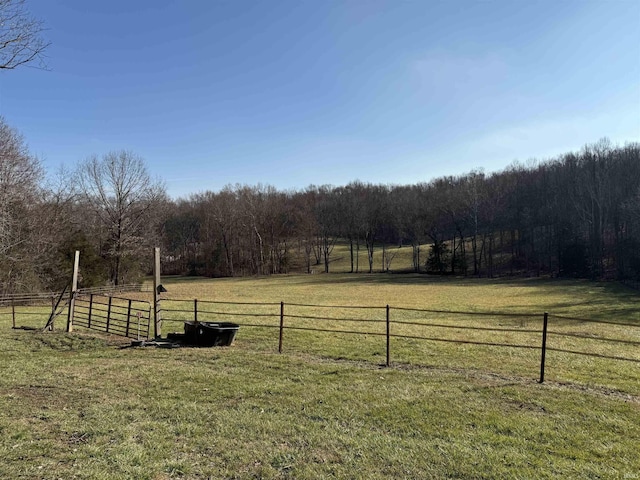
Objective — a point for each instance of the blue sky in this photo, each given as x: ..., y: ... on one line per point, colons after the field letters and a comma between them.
x: 293, y: 93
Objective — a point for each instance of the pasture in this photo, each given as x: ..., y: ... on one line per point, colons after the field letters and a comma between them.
x: 83, y: 405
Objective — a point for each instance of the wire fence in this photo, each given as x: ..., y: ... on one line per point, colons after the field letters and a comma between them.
x: 37, y: 298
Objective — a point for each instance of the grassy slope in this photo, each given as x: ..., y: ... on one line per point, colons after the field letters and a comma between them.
x: 76, y: 405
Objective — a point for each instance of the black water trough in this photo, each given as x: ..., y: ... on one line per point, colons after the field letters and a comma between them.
x: 210, y: 334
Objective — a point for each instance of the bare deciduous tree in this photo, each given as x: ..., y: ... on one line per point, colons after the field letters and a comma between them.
x: 20, y: 174
x: 21, y: 39
x: 122, y: 195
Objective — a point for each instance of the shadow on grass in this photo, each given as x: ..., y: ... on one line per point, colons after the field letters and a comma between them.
x: 593, y: 300
x: 412, y: 278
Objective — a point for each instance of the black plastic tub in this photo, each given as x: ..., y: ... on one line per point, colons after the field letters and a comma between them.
x: 210, y: 334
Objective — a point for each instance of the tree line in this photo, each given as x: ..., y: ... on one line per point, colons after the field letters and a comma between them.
x: 574, y: 215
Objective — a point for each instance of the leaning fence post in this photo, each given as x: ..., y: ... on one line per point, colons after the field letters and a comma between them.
x: 281, y: 327
x: 388, y: 339
x: 544, y: 345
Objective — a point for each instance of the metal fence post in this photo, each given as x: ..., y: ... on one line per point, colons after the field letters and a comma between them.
x: 53, y: 312
x: 90, y: 309
x: 149, y: 322
x: 281, y: 327
x: 544, y: 346
x: 388, y: 339
x: 109, y: 313
x: 126, y: 333
x: 195, y: 310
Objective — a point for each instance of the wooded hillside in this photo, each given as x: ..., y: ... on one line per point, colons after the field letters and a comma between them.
x: 575, y: 215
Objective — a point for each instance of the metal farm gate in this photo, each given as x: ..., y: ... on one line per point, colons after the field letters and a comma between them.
x: 118, y: 316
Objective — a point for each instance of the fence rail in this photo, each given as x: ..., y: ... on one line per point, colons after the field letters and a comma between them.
x: 8, y: 299
x: 109, y: 290
x: 28, y: 298
x: 427, y: 325
x: 517, y: 331
x: 119, y: 316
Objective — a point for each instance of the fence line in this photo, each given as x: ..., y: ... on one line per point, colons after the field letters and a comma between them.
x: 355, y: 307
x: 591, y: 354
x: 31, y: 298
x: 28, y: 299
x: 587, y: 320
x: 220, y: 302
x: 458, y: 312
x: 346, y: 319
x: 469, y: 342
x: 286, y: 316
x: 465, y: 327
x: 599, y: 339
x: 131, y: 287
x: 122, y: 316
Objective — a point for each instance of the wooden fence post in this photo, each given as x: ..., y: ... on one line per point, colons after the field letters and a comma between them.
x: 74, y: 288
x: 544, y: 345
x: 281, y: 327
x: 388, y: 339
x: 157, y: 290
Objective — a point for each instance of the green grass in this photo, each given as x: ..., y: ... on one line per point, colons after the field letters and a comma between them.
x: 80, y: 406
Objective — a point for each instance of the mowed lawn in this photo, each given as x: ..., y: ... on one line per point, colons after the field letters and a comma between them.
x: 82, y: 406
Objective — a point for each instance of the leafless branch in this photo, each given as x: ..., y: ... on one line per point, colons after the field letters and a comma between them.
x: 21, y: 40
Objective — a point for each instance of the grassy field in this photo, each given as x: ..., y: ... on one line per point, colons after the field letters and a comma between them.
x: 398, y: 258
x: 82, y: 406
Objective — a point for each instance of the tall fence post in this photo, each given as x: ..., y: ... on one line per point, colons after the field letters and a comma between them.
x: 281, y: 327
x: 72, y: 295
x: 544, y: 345
x: 388, y: 338
x: 195, y: 310
x: 157, y: 290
